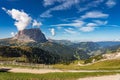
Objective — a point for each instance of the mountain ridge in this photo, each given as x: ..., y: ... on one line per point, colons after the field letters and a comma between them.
x: 30, y: 35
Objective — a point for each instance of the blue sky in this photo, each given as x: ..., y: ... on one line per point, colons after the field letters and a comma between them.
x: 76, y: 20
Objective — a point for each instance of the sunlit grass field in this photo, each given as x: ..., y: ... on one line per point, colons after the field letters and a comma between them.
x: 103, y: 65
x: 50, y: 76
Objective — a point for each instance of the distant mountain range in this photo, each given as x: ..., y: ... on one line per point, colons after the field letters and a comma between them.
x: 35, y: 38
x: 100, y: 43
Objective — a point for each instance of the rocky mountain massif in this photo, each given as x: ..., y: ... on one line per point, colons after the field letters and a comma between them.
x: 30, y: 35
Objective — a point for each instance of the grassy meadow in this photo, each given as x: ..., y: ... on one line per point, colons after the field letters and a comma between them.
x: 102, y: 65
x: 50, y: 76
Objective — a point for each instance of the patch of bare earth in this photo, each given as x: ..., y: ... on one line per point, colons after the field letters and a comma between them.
x: 109, y: 77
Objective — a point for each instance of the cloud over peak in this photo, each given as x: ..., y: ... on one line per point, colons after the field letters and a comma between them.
x: 36, y: 24
x: 22, y: 19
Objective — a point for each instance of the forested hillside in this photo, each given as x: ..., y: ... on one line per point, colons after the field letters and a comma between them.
x: 33, y: 55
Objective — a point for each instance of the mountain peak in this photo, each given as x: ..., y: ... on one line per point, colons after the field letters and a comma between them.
x: 30, y: 35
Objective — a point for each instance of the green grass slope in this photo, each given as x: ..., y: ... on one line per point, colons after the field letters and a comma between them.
x: 50, y: 76
x: 102, y: 65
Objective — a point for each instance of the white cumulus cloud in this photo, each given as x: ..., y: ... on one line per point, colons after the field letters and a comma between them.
x: 82, y: 25
x: 4, y: 9
x: 87, y: 29
x: 22, y: 19
x: 51, y: 2
x: 99, y: 22
x: 91, y: 4
x: 52, y: 30
x: 46, y: 14
x: 94, y: 14
x: 93, y: 25
x: 70, y: 30
x: 36, y: 24
x: 75, y: 23
x: 65, y: 4
x: 13, y: 34
x: 110, y: 3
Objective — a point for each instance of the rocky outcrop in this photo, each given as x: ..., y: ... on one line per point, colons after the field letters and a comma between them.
x: 112, y: 56
x: 30, y: 35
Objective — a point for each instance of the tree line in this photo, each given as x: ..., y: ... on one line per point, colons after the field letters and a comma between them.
x: 34, y: 55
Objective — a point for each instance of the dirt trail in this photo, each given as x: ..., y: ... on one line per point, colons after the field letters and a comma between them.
x: 42, y: 71
x: 110, y: 77
x: 34, y: 71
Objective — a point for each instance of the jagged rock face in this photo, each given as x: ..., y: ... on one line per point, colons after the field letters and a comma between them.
x: 31, y: 35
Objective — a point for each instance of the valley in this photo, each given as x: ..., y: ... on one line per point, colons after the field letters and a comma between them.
x: 25, y: 54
